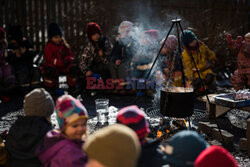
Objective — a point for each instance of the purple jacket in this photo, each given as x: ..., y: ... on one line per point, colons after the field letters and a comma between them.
x: 57, y: 151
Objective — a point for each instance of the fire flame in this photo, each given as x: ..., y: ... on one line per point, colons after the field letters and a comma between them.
x: 159, y: 134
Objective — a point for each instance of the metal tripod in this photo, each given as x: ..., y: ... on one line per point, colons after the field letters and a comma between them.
x: 177, y: 22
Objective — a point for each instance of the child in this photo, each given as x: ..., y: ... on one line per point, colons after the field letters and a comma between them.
x: 112, y: 146
x: 20, y: 57
x: 27, y: 133
x: 204, y: 59
x: 215, y: 156
x: 241, y: 77
x: 183, y: 148
x: 7, y: 80
x: 170, y: 63
x: 122, y: 53
x: 58, y: 60
x: 142, y: 61
x: 133, y: 117
x: 63, y: 147
x: 96, y: 55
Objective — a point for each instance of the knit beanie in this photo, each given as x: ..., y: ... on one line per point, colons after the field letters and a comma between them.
x: 93, y: 28
x: 134, y: 118
x: 183, y: 148
x: 15, y: 33
x: 125, y: 27
x: 188, y: 38
x: 170, y: 44
x: 215, y: 156
x: 151, y: 36
x: 54, y: 30
x: 38, y: 103
x: 2, y: 33
x: 68, y: 110
x: 113, y: 146
x: 247, y: 35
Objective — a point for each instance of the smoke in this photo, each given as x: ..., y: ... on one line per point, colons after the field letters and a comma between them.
x: 146, y: 16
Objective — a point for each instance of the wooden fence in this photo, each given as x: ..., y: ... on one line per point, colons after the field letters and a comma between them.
x: 206, y: 16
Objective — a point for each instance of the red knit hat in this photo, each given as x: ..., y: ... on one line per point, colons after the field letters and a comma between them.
x: 134, y: 118
x: 93, y: 28
x: 2, y: 33
x: 215, y: 156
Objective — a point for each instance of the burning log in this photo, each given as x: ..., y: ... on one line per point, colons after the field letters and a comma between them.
x: 169, y: 127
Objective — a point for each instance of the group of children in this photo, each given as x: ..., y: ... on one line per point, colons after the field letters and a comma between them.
x: 131, y: 56
x: 33, y: 141
x: 16, y: 62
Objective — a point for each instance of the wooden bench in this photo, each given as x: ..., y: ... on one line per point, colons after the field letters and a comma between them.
x: 218, y: 110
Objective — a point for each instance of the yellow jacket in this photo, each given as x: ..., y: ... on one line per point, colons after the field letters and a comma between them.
x: 202, y: 59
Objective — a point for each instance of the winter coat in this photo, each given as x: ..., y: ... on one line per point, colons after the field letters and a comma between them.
x: 123, y: 50
x: 90, y: 56
x: 173, y: 65
x: 26, y: 59
x: 143, y: 60
x: 3, y: 53
x: 57, y: 151
x: 58, y: 56
x: 150, y: 155
x: 24, y: 138
x: 241, y: 76
x: 5, y: 68
x: 202, y: 58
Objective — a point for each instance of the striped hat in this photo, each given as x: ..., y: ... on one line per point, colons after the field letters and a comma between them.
x: 68, y: 110
x: 134, y: 118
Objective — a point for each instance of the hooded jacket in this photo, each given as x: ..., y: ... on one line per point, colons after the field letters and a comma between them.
x: 57, y: 151
x: 202, y: 57
x: 24, y: 138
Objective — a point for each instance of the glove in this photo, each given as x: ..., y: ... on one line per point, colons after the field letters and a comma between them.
x: 58, y: 62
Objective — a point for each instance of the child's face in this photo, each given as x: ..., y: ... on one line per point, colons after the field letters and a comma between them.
x: 95, y: 37
x: 193, y: 43
x: 56, y: 39
x: 247, y: 39
x: 164, y: 50
x: 93, y: 163
x: 14, y: 42
x: 75, y: 130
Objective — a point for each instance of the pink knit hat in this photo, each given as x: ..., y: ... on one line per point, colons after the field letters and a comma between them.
x: 125, y: 27
x: 170, y: 44
x: 68, y: 110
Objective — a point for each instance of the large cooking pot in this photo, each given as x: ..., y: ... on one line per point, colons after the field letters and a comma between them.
x: 177, y: 102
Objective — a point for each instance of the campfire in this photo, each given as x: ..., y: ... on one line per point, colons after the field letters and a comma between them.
x: 169, y: 127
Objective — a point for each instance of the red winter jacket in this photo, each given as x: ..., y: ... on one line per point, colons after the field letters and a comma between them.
x: 58, y: 56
